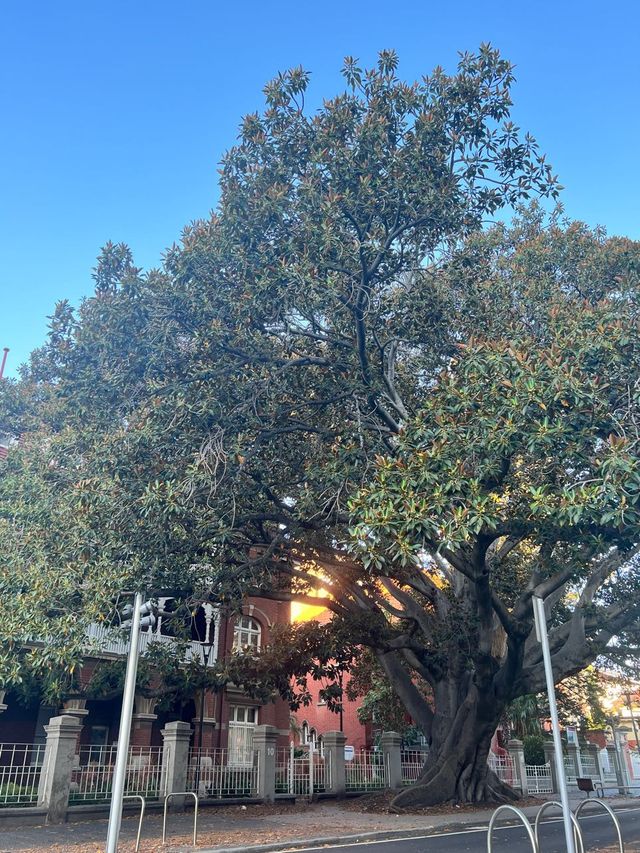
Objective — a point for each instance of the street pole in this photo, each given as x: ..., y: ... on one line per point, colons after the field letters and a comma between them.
x: 120, y: 769
x: 543, y: 638
x: 5, y: 352
x: 206, y: 654
x: 633, y: 722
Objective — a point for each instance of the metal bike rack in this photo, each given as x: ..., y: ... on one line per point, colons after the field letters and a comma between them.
x: 195, y: 813
x: 611, y: 813
x: 523, y: 819
x: 142, y: 808
x: 577, y: 833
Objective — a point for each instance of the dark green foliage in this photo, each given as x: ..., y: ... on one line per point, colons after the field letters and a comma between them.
x: 534, y: 749
x: 341, y: 385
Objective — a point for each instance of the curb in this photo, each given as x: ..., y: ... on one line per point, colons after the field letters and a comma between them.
x: 303, y: 843
x: 378, y: 835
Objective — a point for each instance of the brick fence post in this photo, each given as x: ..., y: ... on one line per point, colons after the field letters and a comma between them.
x: 334, y: 754
x: 264, y: 742
x: 391, y: 743
x: 55, y: 776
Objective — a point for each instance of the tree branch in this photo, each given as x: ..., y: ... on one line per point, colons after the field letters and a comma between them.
x: 411, y: 697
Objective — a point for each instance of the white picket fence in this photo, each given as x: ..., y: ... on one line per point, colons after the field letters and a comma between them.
x: 20, y: 769
x: 212, y: 774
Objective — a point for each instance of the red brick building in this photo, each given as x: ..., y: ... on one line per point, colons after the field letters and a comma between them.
x: 312, y: 721
x: 229, y: 716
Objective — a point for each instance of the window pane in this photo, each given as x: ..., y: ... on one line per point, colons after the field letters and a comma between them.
x: 242, y: 722
x: 246, y: 633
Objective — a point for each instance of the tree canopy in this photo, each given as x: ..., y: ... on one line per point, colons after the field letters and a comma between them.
x: 351, y: 385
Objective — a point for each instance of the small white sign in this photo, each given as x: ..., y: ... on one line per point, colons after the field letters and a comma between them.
x: 349, y: 753
x: 572, y: 735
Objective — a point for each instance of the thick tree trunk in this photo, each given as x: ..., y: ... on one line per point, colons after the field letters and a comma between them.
x: 456, y: 768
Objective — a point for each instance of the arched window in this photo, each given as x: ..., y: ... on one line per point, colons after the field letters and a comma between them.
x: 310, y: 737
x: 246, y: 634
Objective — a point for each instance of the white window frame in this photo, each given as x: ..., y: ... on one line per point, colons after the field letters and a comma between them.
x: 240, y: 740
x: 245, y: 631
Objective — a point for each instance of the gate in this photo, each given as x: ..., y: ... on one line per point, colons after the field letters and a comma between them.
x: 302, y: 771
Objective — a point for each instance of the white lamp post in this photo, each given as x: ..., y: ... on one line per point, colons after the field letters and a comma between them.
x: 122, y: 755
x: 543, y: 638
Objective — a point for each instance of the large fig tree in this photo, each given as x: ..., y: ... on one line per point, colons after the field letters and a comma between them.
x: 340, y: 388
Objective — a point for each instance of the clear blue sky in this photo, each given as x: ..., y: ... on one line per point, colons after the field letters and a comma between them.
x: 114, y: 115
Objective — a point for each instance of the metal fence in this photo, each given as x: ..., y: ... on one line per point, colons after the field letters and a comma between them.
x: 569, y: 771
x: 20, y: 769
x: 587, y: 767
x: 211, y: 773
x: 302, y: 772
x: 610, y: 766
x: 412, y: 763
x: 366, y: 771
x: 92, y: 776
x: 539, y: 779
x: 503, y: 767
x: 588, y: 764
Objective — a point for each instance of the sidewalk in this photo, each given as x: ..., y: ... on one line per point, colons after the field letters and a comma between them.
x: 257, y: 828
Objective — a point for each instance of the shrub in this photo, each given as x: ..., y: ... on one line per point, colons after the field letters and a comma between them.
x: 534, y: 749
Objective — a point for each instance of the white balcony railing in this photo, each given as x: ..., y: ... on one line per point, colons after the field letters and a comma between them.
x: 110, y: 642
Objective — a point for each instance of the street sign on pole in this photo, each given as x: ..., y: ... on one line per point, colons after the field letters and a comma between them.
x: 120, y: 769
x: 543, y: 638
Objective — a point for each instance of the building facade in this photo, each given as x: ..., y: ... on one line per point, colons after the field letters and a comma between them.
x: 228, y: 716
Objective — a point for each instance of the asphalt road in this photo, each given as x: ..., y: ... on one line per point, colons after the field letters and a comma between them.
x: 598, y: 833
